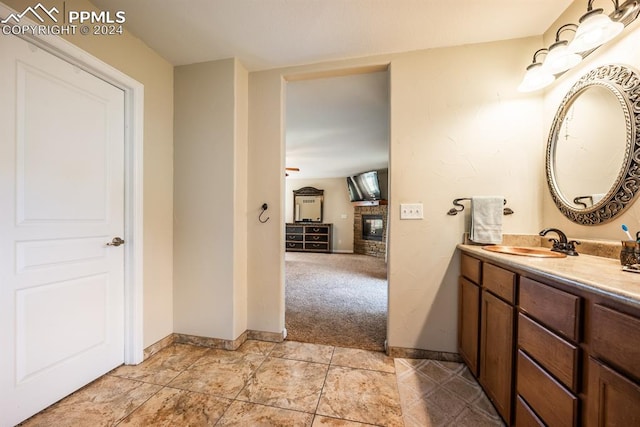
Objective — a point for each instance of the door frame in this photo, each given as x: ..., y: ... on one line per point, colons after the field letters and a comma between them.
x: 133, y: 176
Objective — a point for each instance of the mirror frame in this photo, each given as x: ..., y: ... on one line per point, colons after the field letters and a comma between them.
x: 624, y: 82
x: 309, y: 191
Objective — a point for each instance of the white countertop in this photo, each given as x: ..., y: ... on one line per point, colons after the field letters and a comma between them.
x: 593, y: 273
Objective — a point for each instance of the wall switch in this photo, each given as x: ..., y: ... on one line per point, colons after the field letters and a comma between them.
x: 343, y: 216
x: 411, y: 211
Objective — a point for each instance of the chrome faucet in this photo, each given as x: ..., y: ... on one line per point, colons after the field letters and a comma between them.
x: 561, y: 244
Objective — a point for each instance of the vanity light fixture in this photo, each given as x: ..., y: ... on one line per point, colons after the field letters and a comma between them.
x: 536, y: 76
x: 595, y: 29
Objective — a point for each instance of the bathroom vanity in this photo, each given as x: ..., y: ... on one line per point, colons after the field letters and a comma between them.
x: 553, y: 341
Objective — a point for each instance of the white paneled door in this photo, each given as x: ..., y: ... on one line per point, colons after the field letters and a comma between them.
x: 62, y: 196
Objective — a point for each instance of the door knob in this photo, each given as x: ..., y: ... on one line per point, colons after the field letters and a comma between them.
x: 117, y: 241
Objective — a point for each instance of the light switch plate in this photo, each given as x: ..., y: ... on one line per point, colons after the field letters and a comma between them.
x: 411, y: 211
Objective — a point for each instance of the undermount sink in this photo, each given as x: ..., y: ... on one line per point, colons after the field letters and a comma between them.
x: 524, y: 251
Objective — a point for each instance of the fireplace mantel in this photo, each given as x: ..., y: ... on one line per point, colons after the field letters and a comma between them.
x: 371, y: 203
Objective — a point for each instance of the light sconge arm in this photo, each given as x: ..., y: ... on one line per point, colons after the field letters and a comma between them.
x: 590, y: 5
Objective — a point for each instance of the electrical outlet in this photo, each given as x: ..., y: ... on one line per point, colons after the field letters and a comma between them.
x: 411, y: 211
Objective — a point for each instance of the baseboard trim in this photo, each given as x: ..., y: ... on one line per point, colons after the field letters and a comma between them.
x: 342, y: 251
x: 267, y: 336
x: 176, y: 338
x: 158, y: 346
x: 417, y: 353
x: 212, y: 342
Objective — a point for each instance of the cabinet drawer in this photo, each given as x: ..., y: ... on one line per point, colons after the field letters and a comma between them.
x: 311, y: 229
x: 615, y: 338
x: 294, y: 245
x: 557, y: 356
x: 554, y: 404
x: 553, y: 308
x: 499, y: 281
x: 294, y: 237
x: 316, y: 246
x: 294, y: 229
x: 316, y: 238
x: 525, y: 417
x: 471, y: 268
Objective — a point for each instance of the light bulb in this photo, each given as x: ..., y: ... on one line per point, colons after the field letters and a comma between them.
x: 535, y: 78
x: 560, y: 58
x: 595, y: 29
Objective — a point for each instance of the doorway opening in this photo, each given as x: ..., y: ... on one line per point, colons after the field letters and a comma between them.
x: 337, y: 127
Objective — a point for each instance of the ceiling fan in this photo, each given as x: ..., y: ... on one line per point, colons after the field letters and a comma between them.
x: 292, y: 170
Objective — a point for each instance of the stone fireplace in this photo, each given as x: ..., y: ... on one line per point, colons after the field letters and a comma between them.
x: 370, y: 230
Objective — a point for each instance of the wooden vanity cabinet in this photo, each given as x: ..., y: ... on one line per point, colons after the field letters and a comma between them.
x: 496, y: 352
x: 613, y: 399
x: 468, y: 326
x: 486, y: 328
x: 613, y: 368
x: 548, y: 352
x: 497, y: 320
x: 469, y: 311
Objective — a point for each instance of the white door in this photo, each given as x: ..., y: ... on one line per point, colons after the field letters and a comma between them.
x: 61, y: 201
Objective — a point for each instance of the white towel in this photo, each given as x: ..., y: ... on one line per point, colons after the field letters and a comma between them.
x: 486, y: 219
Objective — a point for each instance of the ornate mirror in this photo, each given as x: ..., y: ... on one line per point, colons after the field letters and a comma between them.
x: 307, y: 204
x: 593, y: 151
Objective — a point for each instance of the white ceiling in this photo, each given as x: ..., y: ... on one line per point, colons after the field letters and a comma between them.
x: 331, y: 123
x: 337, y: 127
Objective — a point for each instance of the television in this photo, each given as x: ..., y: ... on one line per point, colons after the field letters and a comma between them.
x: 364, y: 187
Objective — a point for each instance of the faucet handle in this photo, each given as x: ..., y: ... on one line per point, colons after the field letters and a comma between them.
x: 571, y: 247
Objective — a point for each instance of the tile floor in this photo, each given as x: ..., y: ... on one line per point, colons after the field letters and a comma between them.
x: 268, y: 384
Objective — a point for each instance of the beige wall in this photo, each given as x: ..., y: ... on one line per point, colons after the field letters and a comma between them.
x: 337, y: 208
x: 458, y: 128
x: 624, y: 50
x: 131, y: 56
x: 210, y: 199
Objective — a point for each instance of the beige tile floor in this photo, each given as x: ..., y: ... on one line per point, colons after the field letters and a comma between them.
x: 268, y: 384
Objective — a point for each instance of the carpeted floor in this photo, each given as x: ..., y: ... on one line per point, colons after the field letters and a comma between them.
x: 336, y: 299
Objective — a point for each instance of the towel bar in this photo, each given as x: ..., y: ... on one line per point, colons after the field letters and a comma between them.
x: 457, y: 204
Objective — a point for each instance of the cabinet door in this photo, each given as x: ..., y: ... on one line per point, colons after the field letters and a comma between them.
x: 496, y: 352
x: 613, y: 399
x: 468, y: 319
